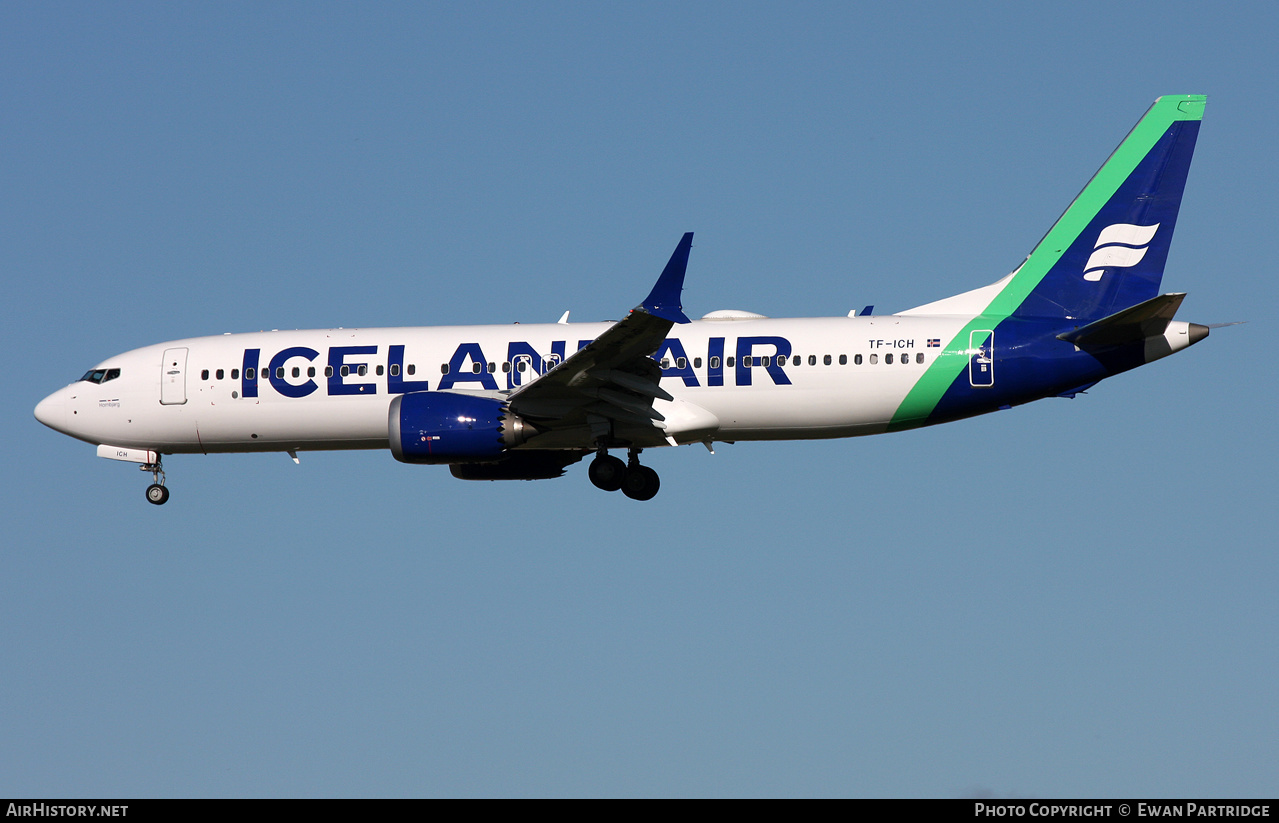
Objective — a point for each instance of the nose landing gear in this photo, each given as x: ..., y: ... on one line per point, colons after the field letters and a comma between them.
x: 610, y: 474
x: 156, y: 492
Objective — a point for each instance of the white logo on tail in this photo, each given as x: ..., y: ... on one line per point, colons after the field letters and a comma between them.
x: 1118, y: 247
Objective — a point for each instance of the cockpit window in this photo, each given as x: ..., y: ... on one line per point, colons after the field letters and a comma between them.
x: 100, y: 375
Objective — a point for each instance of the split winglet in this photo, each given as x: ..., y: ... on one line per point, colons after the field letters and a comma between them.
x: 664, y: 300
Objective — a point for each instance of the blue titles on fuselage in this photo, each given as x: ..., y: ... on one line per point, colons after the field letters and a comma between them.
x: 276, y: 374
x: 349, y: 367
x: 339, y: 368
x: 774, y: 360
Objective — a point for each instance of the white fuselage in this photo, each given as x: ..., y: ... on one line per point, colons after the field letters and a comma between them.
x: 331, y: 389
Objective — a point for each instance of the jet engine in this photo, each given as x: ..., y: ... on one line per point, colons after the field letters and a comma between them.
x: 444, y: 427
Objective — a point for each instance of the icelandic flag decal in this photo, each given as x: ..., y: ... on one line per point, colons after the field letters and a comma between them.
x: 934, y: 342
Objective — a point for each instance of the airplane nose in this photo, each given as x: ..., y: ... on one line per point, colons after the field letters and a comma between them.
x: 52, y: 411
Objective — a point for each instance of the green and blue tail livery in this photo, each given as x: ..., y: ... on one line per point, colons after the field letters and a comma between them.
x: 1104, y: 255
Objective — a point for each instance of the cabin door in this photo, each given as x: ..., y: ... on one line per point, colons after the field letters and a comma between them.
x: 981, y: 365
x: 173, y: 377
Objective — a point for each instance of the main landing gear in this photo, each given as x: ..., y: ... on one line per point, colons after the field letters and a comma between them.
x: 610, y: 474
x: 156, y: 492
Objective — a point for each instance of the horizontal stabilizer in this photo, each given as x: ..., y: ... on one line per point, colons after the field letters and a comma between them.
x: 1132, y: 325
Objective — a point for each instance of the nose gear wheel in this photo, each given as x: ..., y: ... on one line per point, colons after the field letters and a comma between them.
x: 156, y: 492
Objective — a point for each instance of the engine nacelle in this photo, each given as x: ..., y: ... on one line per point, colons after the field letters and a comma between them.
x: 443, y: 427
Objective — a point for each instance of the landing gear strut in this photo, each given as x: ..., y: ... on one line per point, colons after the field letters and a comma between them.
x: 610, y: 474
x: 156, y: 492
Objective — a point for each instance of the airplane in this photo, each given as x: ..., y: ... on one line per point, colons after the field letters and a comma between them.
x: 525, y: 402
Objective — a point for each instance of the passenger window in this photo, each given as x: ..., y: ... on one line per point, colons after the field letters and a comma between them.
x: 345, y: 371
x: 328, y: 371
x: 220, y: 374
x: 714, y: 362
x: 379, y: 370
x: 919, y: 358
x: 697, y: 362
x: 297, y: 371
x: 492, y: 367
x: 279, y: 372
x: 728, y: 362
x: 235, y: 374
x: 250, y: 374
x: 412, y: 369
x: 874, y: 358
x: 475, y: 368
x: 797, y: 360
x: 521, y: 365
x: 666, y: 362
x: 681, y: 363
x: 826, y: 360
x: 395, y: 369
x: 444, y: 368
x: 843, y: 360
x: 506, y: 366
x: 812, y: 360
x: 857, y: 359
x: 888, y: 358
x: 363, y: 370
x: 204, y: 375
x: 766, y: 360
x: 310, y: 371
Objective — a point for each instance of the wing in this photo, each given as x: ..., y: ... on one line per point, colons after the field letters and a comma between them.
x: 605, y: 392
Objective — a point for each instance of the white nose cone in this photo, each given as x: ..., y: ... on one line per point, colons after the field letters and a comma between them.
x: 52, y: 411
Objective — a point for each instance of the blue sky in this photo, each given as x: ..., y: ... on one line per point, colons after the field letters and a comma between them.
x: 1072, y: 598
